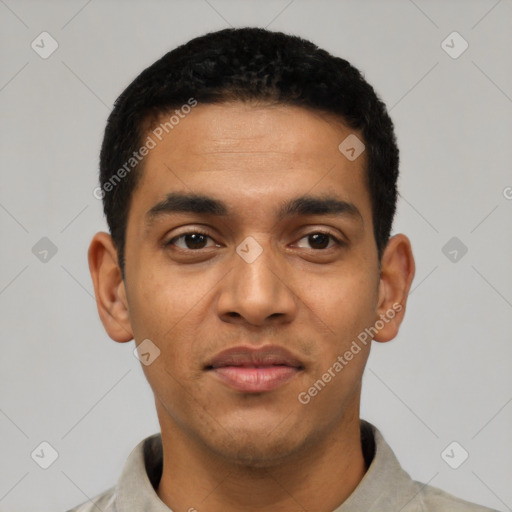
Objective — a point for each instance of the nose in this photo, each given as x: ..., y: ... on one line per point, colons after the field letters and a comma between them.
x: 257, y: 292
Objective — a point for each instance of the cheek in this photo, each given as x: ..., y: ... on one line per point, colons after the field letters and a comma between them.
x: 169, y: 309
x: 346, y: 306
x: 345, y: 303
x: 159, y: 299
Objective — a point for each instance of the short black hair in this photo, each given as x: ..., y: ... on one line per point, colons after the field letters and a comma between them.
x: 247, y: 64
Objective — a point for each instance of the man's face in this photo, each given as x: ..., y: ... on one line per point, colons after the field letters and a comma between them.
x: 195, y: 296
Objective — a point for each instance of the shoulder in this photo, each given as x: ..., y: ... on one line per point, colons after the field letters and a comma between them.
x: 137, y: 483
x: 387, y: 486
x: 103, y: 502
x: 432, y: 499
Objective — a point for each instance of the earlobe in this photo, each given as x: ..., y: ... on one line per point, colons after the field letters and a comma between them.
x: 396, y: 275
x: 109, y: 288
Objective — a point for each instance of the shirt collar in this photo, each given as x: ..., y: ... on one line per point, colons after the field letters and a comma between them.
x: 385, y: 485
x: 136, y: 487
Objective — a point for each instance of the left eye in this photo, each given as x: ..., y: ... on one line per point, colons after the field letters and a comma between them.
x: 320, y: 240
x: 190, y: 241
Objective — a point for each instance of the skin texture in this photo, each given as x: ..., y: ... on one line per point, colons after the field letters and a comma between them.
x: 225, y: 449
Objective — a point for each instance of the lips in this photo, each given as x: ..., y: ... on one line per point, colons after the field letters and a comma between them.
x: 254, y: 370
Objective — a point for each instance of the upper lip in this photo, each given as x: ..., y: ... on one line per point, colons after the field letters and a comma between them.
x: 268, y: 355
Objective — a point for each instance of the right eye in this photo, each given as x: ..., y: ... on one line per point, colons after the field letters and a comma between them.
x: 191, y: 241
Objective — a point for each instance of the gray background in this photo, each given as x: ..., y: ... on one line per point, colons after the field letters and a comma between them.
x: 445, y: 378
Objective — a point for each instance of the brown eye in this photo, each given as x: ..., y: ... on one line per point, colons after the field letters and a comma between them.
x: 190, y: 241
x: 319, y: 241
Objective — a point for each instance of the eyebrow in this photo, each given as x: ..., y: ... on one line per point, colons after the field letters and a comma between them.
x: 306, y: 205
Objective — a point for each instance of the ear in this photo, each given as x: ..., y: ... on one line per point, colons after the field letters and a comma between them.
x: 109, y: 288
x: 396, y: 275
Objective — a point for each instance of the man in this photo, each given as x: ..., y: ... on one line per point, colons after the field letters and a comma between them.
x: 249, y: 184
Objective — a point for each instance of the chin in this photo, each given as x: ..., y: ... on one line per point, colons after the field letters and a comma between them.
x: 260, y: 455
x: 259, y: 449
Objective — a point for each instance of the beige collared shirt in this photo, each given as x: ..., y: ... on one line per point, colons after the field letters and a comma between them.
x: 386, y: 487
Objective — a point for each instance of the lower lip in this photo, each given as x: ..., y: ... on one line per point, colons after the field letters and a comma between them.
x: 255, y: 380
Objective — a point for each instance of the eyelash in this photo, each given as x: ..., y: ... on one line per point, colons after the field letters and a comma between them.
x: 335, y: 239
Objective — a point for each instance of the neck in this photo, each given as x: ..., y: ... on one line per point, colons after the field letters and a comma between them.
x: 319, y: 478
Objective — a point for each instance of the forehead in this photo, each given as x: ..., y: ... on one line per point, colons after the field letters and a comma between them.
x: 252, y: 155
x: 237, y: 127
